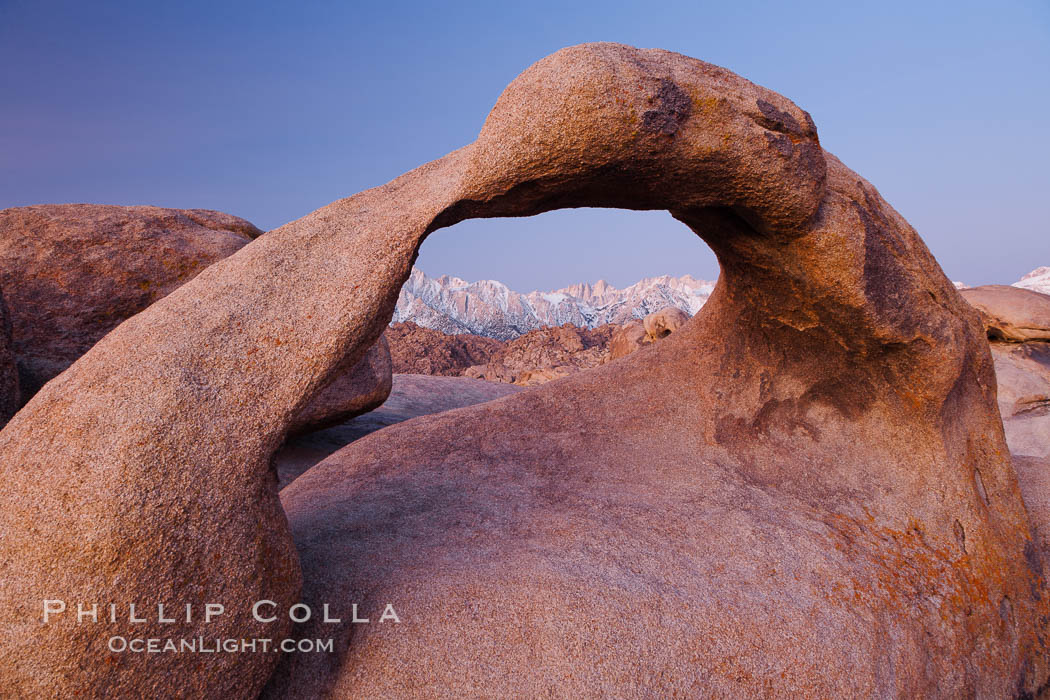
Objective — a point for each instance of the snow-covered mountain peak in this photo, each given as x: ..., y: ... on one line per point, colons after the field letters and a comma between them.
x: 490, y: 308
x: 1038, y: 280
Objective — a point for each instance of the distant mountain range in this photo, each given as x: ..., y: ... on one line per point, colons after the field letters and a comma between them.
x: 1038, y: 280
x: 490, y: 308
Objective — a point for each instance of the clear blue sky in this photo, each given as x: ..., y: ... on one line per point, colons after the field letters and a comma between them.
x: 270, y: 110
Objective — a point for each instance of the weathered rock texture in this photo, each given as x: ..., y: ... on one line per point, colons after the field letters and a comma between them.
x: 73, y: 272
x: 364, y: 388
x: 662, y: 323
x: 545, y: 354
x: 1011, y: 314
x: 1033, y: 474
x: 635, y: 335
x: 412, y: 395
x: 803, y: 492
x: 628, y: 338
x: 76, y: 271
x: 9, y: 394
x: 1017, y: 322
x: 418, y: 350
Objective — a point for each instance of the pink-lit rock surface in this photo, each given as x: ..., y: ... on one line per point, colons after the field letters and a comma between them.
x: 803, y: 492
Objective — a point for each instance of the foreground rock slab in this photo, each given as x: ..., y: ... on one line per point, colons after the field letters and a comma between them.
x: 411, y: 396
x: 804, y: 491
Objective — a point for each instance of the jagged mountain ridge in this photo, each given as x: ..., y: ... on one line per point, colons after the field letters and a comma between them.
x: 490, y: 308
x: 1037, y: 280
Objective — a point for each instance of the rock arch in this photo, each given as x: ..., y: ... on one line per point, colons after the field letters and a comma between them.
x: 835, y: 407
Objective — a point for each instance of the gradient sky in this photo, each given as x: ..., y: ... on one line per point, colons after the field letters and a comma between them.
x: 270, y: 110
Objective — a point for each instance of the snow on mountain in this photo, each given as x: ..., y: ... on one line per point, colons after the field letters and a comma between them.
x: 1038, y: 280
x: 489, y: 308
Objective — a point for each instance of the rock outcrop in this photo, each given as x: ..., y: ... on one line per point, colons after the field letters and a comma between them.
x: 1023, y: 376
x: 1011, y: 314
x: 9, y: 394
x: 804, y: 491
x: 544, y: 354
x: 72, y: 272
x: 1017, y: 323
x: 662, y: 323
x: 418, y: 350
x: 626, y: 339
x: 635, y: 335
x: 361, y: 389
x: 76, y: 271
x: 532, y: 358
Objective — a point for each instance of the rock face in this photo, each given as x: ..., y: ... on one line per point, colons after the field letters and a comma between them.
x: 1017, y: 323
x: 412, y: 395
x: 544, y: 354
x: 1033, y: 474
x: 1023, y: 375
x: 364, y: 388
x: 628, y: 338
x: 1011, y: 313
x: 418, y: 350
x: 805, y: 491
x: 489, y: 308
x: 9, y: 394
x: 664, y: 322
x: 73, y: 272
x: 637, y: 334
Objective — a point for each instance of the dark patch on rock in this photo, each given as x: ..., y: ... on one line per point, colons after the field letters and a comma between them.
x: 883, y: 283
x: 1034, y: 558
x: 673, y: 108
x: 781, y: 143
x: 778, y: 120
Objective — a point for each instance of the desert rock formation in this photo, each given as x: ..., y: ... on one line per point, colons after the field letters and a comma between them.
x: 627, y: 339
x: 635, y: 335
x: 545, y: 354
x: 1023, y: 376
x: 532, y: 358
x: 662, y: 323
x: 1011, y: 314
x: 72, y: 272
x: 364, y: 388
x: 418, y: 350
x: 1017, y: 322
x: 804, y: 491
x: 9, y: 394
x: 75, y: 271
